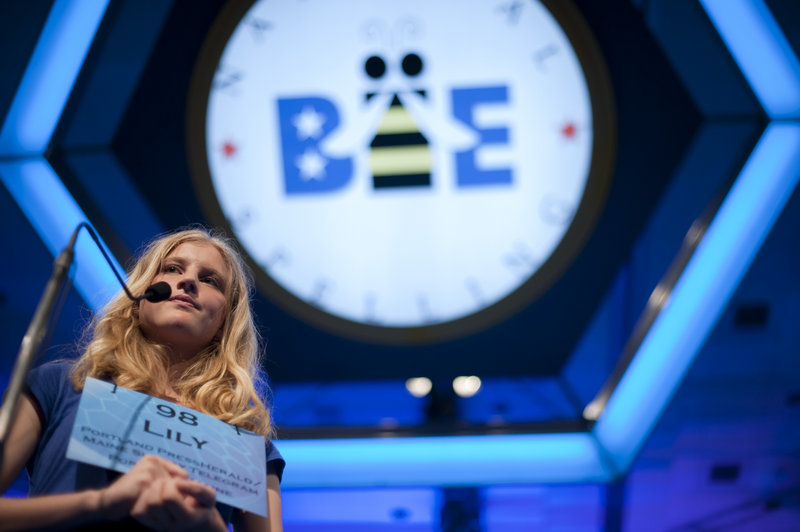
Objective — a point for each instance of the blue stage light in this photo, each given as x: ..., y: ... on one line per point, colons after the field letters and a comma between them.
x: 52, y: 211
x: 456, y: 460
x: 762, y: 52
x: 713, y: 273
x: 49, y: 77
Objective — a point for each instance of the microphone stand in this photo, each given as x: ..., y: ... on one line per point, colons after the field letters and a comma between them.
x: 32, y: 341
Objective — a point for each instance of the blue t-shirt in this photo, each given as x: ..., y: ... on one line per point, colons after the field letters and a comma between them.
x: 49, y: 471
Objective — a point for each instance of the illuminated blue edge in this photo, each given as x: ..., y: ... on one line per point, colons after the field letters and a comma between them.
x: 733, y: 239
x: 702, y: 292
x: 54, y: 215
x: 52, y: 70
x: 32, y: 117
x: 761, y: 51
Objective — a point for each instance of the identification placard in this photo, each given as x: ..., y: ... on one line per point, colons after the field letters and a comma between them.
x: 115, y: 427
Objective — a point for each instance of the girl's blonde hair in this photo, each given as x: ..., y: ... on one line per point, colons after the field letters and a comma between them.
x: 224, y: 380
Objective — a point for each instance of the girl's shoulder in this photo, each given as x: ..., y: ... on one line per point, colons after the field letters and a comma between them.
x: 54, y: 370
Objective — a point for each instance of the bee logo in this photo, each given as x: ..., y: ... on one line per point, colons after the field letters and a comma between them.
x: 399, y: 154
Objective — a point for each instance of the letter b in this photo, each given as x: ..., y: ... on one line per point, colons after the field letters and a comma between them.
x: 304, y: 123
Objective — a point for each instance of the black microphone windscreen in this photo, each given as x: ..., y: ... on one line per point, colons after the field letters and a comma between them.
x: 157, y: 292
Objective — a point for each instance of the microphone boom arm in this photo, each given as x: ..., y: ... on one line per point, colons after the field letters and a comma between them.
x: 32, y: 341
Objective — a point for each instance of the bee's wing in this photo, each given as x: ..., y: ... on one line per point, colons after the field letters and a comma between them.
x: 358, y: 130
x: 438, y: 126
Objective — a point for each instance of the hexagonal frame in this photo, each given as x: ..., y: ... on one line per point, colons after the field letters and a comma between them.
x: 626, y: 415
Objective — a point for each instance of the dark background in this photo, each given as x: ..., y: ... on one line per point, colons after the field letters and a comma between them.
x: 686, y: 122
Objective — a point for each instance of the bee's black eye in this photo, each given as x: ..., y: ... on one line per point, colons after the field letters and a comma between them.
x: 412, y: 64
x: 375, y: 67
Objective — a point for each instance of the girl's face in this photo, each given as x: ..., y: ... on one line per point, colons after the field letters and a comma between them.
x: 193, y: 315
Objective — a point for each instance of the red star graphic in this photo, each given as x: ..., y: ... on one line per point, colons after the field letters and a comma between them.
x: 229, y: 149
x: 569, y: 130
